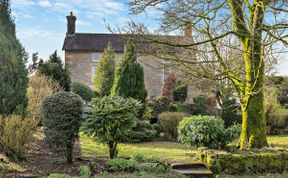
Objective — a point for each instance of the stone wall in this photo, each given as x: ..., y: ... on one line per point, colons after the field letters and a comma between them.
x: 80, y: 65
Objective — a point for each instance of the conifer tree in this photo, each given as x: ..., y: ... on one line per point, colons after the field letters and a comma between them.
x: 13, y: 75
x: 104, y: 77
x: 54, y: 68
x: 129, y: 77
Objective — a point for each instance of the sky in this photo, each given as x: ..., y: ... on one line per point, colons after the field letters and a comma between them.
x: 41, y: 24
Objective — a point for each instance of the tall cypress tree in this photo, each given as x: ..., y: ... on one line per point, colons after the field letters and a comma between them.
x: 13, y: 75
x: 104, y: 77
x: 129, y: 77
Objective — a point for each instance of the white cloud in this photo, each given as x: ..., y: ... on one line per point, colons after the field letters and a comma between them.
x: 21, y: 3
x: 45, y: 3
x: 35, y: 33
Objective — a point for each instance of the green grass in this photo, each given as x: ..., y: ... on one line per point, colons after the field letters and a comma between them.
x: 171, y: 151
x: 278, y: 140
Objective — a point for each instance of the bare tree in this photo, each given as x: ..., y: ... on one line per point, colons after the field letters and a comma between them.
x: 256, y: 30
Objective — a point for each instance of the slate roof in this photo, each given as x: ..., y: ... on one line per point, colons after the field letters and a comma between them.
x: 97, y: 42
x: 94, y: 42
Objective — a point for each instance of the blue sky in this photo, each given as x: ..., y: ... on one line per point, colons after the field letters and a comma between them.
x: 41, y: 24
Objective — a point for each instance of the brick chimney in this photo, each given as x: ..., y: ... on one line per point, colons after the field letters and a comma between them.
x: 187, y: 27
x: 71, y: 20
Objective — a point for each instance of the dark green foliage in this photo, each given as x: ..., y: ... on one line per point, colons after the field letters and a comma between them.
x: 122, y: 165
x: 200, y: 107
x: 54, y: 68
x: 59, y: 176
x: 187, y: 108
x: 180, y: 92
x: 62, y: 116
x: 158, y: 105
x: 143, y: 131
x: 169, y: 122
x: 138, y: 163
x: 129, y: 78
x: 82, y: 90
x: 110, y: 120
x: 13, y: 75
x: 229, y: 112
x: 104, y: 77
x: 208, y: 131
x: 34, y: 66
x: 245, y: 162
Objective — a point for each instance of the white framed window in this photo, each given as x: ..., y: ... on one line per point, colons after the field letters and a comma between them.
x: 95, y: 57
x: 94, y: 70
x: 166, y: 72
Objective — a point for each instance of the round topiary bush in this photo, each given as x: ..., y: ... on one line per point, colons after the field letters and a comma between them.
x: 207, y: 131
x: 62, y: 116
x: 82, y: 90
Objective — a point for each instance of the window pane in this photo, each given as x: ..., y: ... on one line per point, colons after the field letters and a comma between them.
x: 95, y: 57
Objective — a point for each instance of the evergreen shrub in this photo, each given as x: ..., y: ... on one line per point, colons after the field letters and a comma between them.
x: 62, y: 117
x: 84, y: 91
x: 207, y: 131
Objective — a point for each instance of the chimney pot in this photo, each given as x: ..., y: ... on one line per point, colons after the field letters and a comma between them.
x: 71, y: 21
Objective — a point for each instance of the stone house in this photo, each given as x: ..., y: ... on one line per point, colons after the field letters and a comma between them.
x: 83, y: 51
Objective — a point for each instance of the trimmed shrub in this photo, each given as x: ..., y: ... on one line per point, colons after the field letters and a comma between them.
x: 208, y: 131
x: 15, y: 135
x: 82, y: 90
x: 110, y: 120
x: 143, y: 131
x: 169, y: 122
x: 62, y: 116
x: 244, y: 162
x: 39, y: 87
x: 186, y: 108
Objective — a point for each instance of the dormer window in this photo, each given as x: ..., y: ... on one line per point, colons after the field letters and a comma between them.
x: 95, y: 57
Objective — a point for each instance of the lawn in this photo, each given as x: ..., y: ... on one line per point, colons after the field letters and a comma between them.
x: 278, y: 141
x: 171, y: 151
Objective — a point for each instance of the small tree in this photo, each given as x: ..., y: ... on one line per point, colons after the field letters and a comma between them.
x: 129, y: 78
x: 104, y: 77
x: 54, y: 68
x: 62, y: 114
x: 110, y: 119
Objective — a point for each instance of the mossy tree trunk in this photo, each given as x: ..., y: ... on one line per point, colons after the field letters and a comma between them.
x: 253, y: 133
